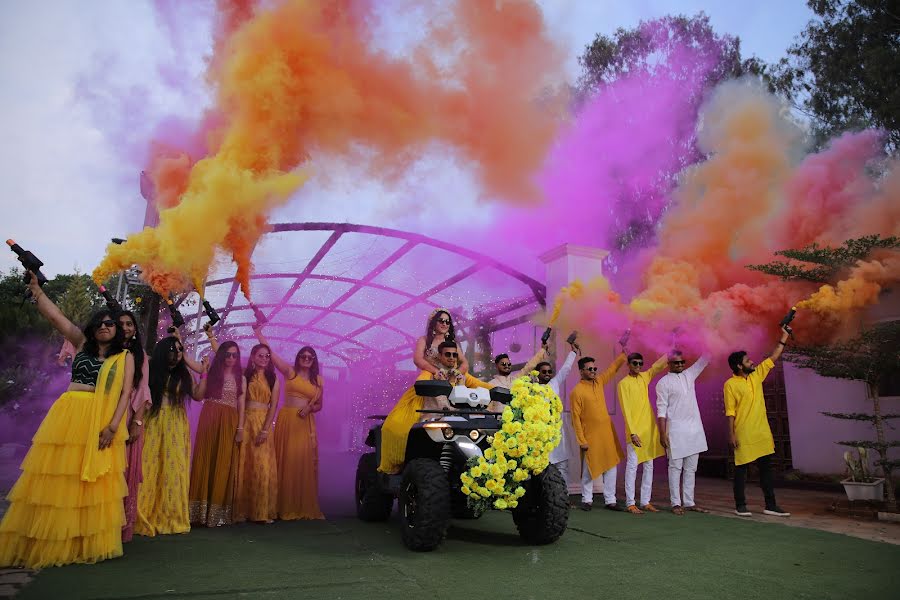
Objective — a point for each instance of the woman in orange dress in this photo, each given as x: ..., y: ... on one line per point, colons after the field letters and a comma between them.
x: 220, y: 431
x: 258, y: 475
x: 296, y: 444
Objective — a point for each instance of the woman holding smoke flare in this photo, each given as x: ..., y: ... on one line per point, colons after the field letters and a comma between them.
x: 258, y: 473
x: 163, y: 499
x: 220, y: 432
x: 67, y: 505
x: 296, y: 443
x: 140, y: 401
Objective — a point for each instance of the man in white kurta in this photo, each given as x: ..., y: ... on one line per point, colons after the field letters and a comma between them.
x: 560, y: 454
x: 680, y: 429
x: 505, y: 375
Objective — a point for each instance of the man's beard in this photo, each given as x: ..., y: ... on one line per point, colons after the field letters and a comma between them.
x: 748, y: 370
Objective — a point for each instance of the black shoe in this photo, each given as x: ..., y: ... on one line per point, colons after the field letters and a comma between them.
x: 587, y: 506
x: 742, y: 511
x: 613, y: 506
x: 776, y: 512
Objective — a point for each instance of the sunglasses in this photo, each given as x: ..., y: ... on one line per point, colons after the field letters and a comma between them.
x: 677, y: 362
x: 444, y: 321
x: 504, y: 364
x: 591, y: 369
x: 638, y: 363
x: 263, y: 355
x: 451, y: 355
x: 231, y: 355
x: 545, y: 372
x: 306, y: 357
x: 107, y: 323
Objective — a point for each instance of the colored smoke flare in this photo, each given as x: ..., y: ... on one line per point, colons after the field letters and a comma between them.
x: 302, y: 79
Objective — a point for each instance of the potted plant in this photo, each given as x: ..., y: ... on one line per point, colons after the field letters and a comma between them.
x: 861, y: 485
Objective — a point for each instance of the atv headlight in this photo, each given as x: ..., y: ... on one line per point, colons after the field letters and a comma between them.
x: 474, y: 435
x: 448, y: 433
x: 446, y: 430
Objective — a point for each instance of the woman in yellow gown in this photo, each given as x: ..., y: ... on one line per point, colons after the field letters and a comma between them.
x: 403, y: 416
x: 258, y: 476
x: 67, y: 505
x: 296, y: 444
x: 163, y: 496
x: 220, y: 432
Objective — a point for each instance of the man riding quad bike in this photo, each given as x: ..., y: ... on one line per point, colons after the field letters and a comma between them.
x: 437, y: 451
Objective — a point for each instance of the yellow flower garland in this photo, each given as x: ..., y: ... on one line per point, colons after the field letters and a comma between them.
x: 531, y: 430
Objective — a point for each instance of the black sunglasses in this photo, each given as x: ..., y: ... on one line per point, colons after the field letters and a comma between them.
x: 591, y: 369
x: 306, y: 357
x: 451, y: 354
x: 444, y: 321
x: 546, y: 372
x: 638, y: 363
x: 504, y: 364
x: 677, y: 362
x: 106, y: 323
x: 231, y: 355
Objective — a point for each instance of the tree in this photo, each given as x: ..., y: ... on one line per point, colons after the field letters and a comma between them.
x: 842, y: 70
x: 872, y: 356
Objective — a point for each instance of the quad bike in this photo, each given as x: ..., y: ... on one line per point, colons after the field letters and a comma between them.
x: 428, y: 487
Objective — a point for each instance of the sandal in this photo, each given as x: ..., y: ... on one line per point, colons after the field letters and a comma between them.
x: 697, y: 509
x: 677, y: 510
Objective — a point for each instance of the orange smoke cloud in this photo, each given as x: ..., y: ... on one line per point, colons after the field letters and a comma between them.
x: 304, y: 78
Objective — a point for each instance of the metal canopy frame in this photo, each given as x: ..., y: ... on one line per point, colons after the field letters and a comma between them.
x: 499, y: 314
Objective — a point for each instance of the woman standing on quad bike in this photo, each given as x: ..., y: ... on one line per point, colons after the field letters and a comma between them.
x: 426, y: 356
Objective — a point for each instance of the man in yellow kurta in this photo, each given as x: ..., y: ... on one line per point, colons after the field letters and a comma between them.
x: 748, y: 426
x: 404, y: 415
x: 640, y: 429
x: 600, y: 447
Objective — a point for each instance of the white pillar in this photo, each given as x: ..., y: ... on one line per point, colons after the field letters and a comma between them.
x: 563, y: 265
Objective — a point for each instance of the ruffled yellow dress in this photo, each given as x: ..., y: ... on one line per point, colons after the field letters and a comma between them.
x: 215, y: 460
x: 397, y: 426
x: 163, y: 496
x: 258, y: 474
x: 297, y: 454
x: 67, y: 505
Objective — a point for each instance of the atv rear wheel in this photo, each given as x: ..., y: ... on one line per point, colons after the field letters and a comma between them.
x: 424, y: 504
x: 543, y: 512
x: 371, y: 503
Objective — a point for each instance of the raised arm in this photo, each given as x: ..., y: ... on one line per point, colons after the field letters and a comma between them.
x: 610, y: 372
x: 282, y: 365
x: 779, y: 347
x: 57, y: 319
x: 193, y: 365
x: 419, y: 357
x: 534, y: 360
x: 659, y: 366
x: 693, y: 372
x: 566, y: 367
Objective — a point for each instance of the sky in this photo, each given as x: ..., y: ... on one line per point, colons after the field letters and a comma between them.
x: 85, y: 85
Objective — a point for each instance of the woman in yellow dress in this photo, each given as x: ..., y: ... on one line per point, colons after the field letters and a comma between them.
x: 67, y: 505
x: 163, y: 496
x: 220, y: 431
x: 400, y: 420
x: 296, y: 444
x: 258, y: 475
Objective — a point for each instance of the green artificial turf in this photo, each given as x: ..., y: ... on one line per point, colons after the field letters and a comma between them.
x: 602, y: 555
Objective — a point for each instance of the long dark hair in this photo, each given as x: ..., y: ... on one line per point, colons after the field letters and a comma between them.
x: 91, y: 347
x: 176, y: 383
x: 135, y: 346
x: 313, y: 368
x: 432, y: 322
x: 269, y: 371
x: 216, y: 376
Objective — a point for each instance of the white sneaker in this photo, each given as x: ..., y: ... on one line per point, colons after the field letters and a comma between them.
x: 776, y: 512
x: 742, y: 511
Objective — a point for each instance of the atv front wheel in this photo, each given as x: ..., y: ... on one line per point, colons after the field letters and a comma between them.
x: 543, y: 512
x: 424, y: 504
x: 371, y: 503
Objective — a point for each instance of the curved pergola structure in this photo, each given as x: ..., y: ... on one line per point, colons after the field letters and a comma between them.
x: 355, y: 290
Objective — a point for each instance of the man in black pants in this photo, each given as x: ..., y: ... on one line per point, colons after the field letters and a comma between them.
x: 748, y: 426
